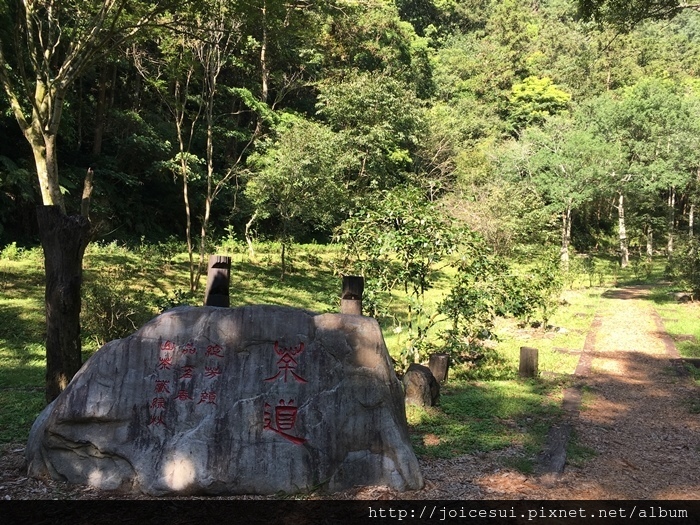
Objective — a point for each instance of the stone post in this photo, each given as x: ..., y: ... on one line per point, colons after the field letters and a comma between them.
x: 439, y: 365
x: 351, y: 296
x: 528, y: 362
x: 216, y: 292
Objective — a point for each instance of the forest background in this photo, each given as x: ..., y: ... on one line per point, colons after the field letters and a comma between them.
x: 494, y: 145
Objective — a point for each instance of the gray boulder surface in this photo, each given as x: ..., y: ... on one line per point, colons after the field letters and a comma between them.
x: 249, y: 400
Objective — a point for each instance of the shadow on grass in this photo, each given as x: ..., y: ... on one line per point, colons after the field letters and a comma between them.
x: 252, y: 283
x: 480, y: 417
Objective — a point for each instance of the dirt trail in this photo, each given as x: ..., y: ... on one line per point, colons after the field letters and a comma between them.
x: 635, y: 416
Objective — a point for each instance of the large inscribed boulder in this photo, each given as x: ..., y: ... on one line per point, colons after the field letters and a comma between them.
x: 250, y: 400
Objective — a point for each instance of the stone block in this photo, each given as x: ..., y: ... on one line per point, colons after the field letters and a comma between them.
x: 250, y: 400
x: 421, y: 387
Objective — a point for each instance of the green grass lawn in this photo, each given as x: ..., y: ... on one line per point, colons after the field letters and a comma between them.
x: 492, y: 409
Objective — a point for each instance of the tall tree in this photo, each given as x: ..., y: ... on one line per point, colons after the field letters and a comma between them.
x: 295, y: 180
x: 45, y: 45
x: 567, y: 165
x: 654, y: 125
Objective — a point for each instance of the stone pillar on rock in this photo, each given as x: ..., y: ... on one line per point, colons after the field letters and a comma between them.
x: 218, y: 281
x: 351, y: 296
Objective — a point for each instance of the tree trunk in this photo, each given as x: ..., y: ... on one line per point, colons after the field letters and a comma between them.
x: 64, y: 239
x: 100, y: 111
x: 565, y: 236
x: 44, y: 151
x: 87, y: 193
x: 650, y: 242
x: 671, y: 219
x: 624, y: 250
x: 188, y: 222
x: 264, y: 66
x: 691, y: 220
x: 284, y: 260
x: 249, y: 237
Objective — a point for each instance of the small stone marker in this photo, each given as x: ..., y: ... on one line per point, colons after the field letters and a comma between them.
x: 439, y: 365
x: 218, y: 279
x: 421, y: 387
x: 351, y: 295
x: 248, y: 400
x: 528, y: 362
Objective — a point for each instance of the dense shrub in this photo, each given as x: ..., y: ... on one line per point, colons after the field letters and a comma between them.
x: 111, y: 309
x: 683, y: 266
x: 486, y: 287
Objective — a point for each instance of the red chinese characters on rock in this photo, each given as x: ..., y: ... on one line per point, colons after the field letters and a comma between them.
x: 158, y: 402
x: 189, y: 349
x: 162, y: 386
x: 183, y: 395
x: 157, y: 419
x: 285, y: 416
x: 215, y: 351
x: 164, y: 363
x: 207, y: 397
x: 177, y: 378
x: 211, y: 372
x: 186, y: 372
x: 287, y: 363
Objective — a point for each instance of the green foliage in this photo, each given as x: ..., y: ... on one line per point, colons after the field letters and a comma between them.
x: 293, y: 179
x: 397, y: 241
x: 533, y: 100
x: 485, y: 288
x: 177, y: 298
x: 11, y: 252
x: 378, y: 120
x: 476, y: 298
x: 160, y: 254
x: 111, y: 308
x: 366, y: 37
x: 683, y: 267
x: 626, y: 14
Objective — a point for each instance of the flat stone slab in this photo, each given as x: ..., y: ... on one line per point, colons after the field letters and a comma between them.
x: 250, y: 400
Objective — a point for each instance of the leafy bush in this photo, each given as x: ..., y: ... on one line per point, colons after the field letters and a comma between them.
x: 486, y: 288
x: 12, y: 252
x: 160, y: 254
x: 683, y: 266
x: 111, y: 309
x: 397, y: 243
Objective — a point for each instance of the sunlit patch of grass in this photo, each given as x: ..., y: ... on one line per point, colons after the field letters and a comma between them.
x: 558, y: 345
x: 681, y: 322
